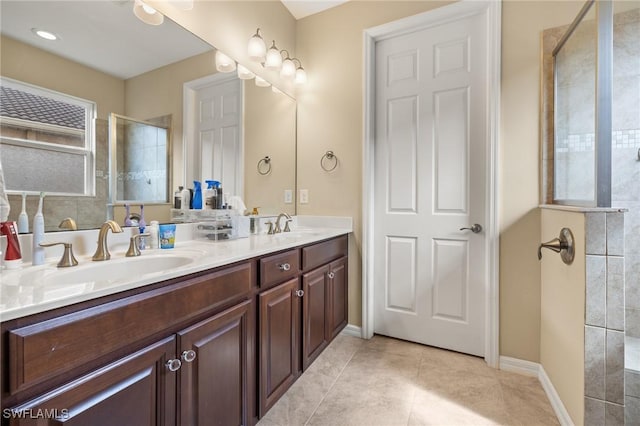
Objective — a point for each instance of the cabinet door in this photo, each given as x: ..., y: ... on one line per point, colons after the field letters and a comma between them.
x: 279, y: 341
x: 316, y: 326
x: 214, y: 386
x: 136, y: 390
x: 339, y: 290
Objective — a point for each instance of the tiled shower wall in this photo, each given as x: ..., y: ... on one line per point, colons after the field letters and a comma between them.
x: 604, y: 319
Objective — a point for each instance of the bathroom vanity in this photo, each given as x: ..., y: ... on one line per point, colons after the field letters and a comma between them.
x: 218, y: 345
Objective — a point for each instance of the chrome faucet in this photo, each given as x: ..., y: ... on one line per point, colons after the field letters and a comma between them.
x: 102, y: 252
x: 286, y: 226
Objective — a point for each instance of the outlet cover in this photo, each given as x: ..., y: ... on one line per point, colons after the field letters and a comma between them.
x: 288, y: 196
x: 304, y: 196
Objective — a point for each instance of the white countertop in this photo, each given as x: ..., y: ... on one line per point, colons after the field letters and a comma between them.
x: 35, y: 289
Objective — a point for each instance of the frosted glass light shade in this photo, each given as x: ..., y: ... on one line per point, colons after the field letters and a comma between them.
x: 288, y: 69
x: 274, y: 89
x: 274, y: 60
x: 224, y: 63
x: 301, y: 76
x: 261, y: 82
x: 183, y: 4
x: 147, y: 14
x: 244, y: 73
x: 257, y: 49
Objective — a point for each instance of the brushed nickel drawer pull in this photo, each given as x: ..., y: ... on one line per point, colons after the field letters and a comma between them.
x: 299, y: 293
x: 331, y: 275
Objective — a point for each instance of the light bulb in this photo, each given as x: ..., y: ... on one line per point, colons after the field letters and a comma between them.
x: 147, y: 14
x: 244, y: 73
x: 301, y: 76
x: 288, y: 69
x: 224, y: 63
x: 274, y: 60
x: 261, y: 82
x: 257, y: 49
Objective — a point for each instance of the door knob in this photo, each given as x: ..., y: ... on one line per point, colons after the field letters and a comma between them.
x: 475, y: 228
x: 563, y: 245
x: 188, y: 356
x: 174, y: 364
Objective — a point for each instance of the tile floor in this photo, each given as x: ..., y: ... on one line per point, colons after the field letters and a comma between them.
x: 385, y: 381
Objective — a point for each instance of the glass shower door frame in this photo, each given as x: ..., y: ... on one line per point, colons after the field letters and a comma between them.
x: 603, y: 101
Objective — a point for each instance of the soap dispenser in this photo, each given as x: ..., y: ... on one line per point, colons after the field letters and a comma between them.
x: 37, y: 255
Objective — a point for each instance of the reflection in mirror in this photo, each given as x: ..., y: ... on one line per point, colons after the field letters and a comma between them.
x: 107, y: 56
x: 140, y: 158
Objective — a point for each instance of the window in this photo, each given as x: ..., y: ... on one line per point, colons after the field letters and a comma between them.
x: 47, y: 140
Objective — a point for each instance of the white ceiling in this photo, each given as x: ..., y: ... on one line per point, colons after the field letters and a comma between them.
x: 302, y: 8
x: 104, y: 35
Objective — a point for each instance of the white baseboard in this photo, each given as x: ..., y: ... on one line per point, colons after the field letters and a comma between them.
x: 534, y: 369
x: 352, y: 330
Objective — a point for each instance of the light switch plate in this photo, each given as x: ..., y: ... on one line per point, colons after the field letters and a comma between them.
x: 288, y: 196
x: 304, y: 196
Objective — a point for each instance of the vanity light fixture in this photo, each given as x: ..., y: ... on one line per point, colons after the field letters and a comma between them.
x: 182, y: 4
x: 288, y: 69
x: 257, y: 49
x: 244, y: 73
x: 261, y: 82
x: 147, y: 14
x: 274, y: 58
x: 47, y: 35
x: 301, y: 74
x: 224, y: 63
x: 274, y: 89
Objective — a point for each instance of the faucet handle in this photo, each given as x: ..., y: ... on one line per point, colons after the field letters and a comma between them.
x: 286, y: 225
x: 133, y: 250
x: 68, y: 259
x: 68, y: 223
x: 271, y: 230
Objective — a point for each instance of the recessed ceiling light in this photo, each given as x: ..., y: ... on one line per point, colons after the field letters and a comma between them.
x: 47, y: 35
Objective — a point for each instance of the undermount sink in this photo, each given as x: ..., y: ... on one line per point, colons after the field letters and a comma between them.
x: 120, y: 269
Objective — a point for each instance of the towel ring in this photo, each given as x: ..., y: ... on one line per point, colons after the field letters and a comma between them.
x: 329, y: 155
x: 266, y: 161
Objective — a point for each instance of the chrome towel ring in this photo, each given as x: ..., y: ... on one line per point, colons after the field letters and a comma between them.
x: 264, y: 165
x: 330, y: 157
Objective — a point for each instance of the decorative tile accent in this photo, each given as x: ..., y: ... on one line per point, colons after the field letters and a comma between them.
x: 596, y: 233
x: 615, y: 367
x: 594, y: 362
x: 615, y: 234
x: 596, y: 297
x: 615, y: 293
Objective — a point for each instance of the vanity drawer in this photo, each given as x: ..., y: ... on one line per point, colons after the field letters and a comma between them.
x: 44, y: 350
x: 279, y: 268
x: 324, y: 252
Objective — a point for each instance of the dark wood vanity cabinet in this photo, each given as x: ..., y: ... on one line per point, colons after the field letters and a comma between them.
x: 218, y: 347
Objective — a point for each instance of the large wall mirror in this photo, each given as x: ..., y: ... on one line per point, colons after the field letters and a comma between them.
x: 106, y: 56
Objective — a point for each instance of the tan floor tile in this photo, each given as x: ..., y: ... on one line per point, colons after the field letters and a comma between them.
x: 394, y: 346
x: 336, y: 356
x: 431, y: 408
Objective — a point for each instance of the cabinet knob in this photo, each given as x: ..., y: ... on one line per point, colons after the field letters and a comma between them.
x: 188, y: 356
x: 299, y: 293
x: 284, y: 266
x: 174, y: 364
x: 331, y: 275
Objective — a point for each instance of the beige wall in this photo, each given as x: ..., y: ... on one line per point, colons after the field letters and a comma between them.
x: 269, y: 130
x: 330, y: 117
x: 563, y: 312
x: 29, y: 64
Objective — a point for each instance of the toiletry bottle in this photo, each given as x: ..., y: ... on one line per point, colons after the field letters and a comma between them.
x: 142, y: 226
x: 185, y: 200
x: 153, y: 239
x: 12, y: 255
x: 219, y: 200
x: 23, y: 219
x: 37, y: 256
x: 197, y: 195
x: 127, y: 216
x: 177, y: 198
x: 209, y: 195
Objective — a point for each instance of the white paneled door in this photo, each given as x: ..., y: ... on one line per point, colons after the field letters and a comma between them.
x: 218, y: 118
x: 430, y: 181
